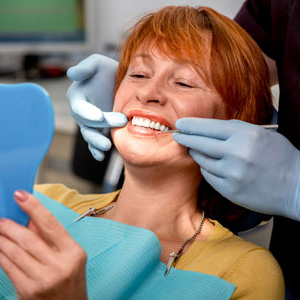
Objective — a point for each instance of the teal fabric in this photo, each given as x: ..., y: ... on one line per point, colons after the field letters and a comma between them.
x: 123, y: 263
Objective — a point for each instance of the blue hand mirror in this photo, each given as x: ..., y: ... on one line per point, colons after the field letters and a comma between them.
x: 26, y: 130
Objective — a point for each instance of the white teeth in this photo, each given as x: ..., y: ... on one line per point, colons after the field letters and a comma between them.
x: 152, y: 125
x: 144, y: 122
x: 139, y: 122
x: 133, y: 121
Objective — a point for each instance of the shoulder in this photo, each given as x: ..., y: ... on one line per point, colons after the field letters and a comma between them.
x: 53, y: 190
x: 73, y: 199
x: 257, y: 275
x: 251, y: 268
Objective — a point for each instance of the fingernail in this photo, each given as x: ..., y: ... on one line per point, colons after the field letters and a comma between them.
x: 21, y: 196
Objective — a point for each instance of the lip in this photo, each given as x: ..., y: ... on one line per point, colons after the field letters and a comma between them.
x: 149, y: 115
x: 145, y: 132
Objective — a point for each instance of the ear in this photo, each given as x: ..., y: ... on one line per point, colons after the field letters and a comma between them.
x: 26, y: 130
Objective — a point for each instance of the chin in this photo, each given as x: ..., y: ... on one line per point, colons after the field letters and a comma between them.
x: 149, y: 151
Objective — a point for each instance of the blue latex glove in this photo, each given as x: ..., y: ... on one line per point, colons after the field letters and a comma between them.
x: 251, y: 166
x: 91, y: 100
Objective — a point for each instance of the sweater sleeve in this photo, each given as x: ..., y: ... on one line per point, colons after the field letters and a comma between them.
x: 268, y: 282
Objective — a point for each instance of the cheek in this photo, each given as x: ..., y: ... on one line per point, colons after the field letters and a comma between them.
x: 219, y: 110
x: 117, y: 135
x: 121, y: 97
x: 117, y: 102
x: 204, y: 107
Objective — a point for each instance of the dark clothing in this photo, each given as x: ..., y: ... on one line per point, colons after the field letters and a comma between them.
x: 275, y: 25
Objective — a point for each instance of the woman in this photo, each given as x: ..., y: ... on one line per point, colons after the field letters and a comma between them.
x: 178, y: 62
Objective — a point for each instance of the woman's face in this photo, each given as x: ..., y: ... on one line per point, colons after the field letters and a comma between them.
x: 155, y: 92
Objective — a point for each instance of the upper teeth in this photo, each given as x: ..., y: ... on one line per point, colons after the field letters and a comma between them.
x: 144, y: 122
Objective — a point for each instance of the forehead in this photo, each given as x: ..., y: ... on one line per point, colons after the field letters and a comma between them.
x: 146, y: 52
x: 175, y: 49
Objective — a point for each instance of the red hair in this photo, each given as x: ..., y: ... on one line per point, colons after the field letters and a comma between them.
x: 236, y: 69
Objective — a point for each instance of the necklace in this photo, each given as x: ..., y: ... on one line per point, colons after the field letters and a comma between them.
x: 102, y: 210
x: 173, y: 256
x: 92, y: 212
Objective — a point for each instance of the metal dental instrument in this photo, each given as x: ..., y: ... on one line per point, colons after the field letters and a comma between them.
x: 269, y: 126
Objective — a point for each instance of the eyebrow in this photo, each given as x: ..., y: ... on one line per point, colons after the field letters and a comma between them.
x: 142, y: 55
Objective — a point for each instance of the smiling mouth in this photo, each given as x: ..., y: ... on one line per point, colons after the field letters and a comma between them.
x: 147, y: 123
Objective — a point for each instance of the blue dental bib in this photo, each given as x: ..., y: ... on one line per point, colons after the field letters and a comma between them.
x: 123, y: 263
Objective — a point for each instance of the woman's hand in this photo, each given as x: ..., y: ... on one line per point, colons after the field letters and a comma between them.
x: 42, y: 261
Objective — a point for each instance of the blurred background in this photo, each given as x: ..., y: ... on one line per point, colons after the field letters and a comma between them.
x: 41, y: 39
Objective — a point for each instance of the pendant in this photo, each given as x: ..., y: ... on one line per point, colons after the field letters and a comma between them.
x: 173, y: 257
x: 84, y: 214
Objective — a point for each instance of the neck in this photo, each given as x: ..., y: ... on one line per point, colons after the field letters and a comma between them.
x: 164, y: 203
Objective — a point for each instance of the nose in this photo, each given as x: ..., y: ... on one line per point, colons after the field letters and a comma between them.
x: 152, y: 91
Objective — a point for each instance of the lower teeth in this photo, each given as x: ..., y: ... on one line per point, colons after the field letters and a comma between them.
x: 149, y: 128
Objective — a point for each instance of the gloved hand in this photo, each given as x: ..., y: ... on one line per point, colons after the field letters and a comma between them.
x: 251, y: 166
x: 91, y: 100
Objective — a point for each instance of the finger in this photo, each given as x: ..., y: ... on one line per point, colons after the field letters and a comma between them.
x: 218, y: 183
x: 20, y: 258
x: 83, y: 70
x: 208, y: 146
x: 97, y: 154
x: 110, y: 120
x: 16, y: 276
x: 114, y: 119
x: 25, y: 239
x: 48, y: 226
x: 218, y: 129
x: 32, y: 227
x: 85, y: 112
x: 94, y: 138
x: 79, y: 73
x: 210, y: 164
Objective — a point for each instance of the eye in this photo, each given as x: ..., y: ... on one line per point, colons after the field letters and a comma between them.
x: 183, y: 84
x: 138, y: 76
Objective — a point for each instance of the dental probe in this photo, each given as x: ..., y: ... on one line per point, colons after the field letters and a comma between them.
x: 269, y: 126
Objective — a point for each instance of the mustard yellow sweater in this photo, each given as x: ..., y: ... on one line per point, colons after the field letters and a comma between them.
x: 251, y: 268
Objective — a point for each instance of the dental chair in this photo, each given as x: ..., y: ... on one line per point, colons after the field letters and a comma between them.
x: 26, y: 130
x: 260, y: 234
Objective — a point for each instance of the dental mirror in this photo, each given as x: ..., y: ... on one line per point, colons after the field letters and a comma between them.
x: 26, y: 130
